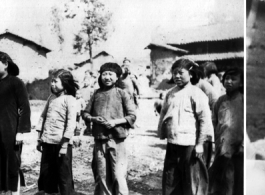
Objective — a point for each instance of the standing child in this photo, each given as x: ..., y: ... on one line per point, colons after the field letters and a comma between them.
x: 228, y: 120
x: 14, y: 121
x: 56, y: 128
x: 112, y: 112
x: 185, y: 120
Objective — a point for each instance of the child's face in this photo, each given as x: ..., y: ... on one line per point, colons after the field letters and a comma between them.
x: 56, y: 85
x: 181, y: 76
x: 109, y: 78
x: 232, y: 83
x: 3, y: 68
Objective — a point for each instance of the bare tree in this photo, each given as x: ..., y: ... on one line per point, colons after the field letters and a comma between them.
x: 94, y: 25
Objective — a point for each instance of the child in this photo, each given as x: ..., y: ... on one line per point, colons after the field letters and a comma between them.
x: 14, y: 121
x: 112, y: 112
x: 185, y: 120
x: 210, y: 70
x: 228, y: 120
x: 56, y: 128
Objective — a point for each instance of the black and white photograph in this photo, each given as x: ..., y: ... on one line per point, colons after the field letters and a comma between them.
x: 131, y: 97
x: 255, y: 134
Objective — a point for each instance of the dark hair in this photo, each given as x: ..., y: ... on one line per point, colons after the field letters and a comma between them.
x: 235, y: 71
x: 68, y: 82
x: 12, y: 68
x: 209, y: 68
x: 189, y: 65
x: 114, y: 67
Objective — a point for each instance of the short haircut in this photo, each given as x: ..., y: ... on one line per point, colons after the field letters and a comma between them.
x: 209, y: 68
x: 235, y: 71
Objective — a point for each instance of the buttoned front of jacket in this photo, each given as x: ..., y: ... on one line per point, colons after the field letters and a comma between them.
x: 185, y: 117
x: 58, y: 119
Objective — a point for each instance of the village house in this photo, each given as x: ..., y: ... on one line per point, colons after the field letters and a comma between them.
x: 31, y: 58
x: 222, y: 44
x: 162, y: 56
x: 99, y: 59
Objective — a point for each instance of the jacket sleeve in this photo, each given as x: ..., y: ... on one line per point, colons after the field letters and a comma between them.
x: 129, y: 107
x: 88, y: 110
x: 203, y: 114
x: 70, y: 117
x: 42, y: 118
x: 215, y: 114
x: 161, y: 132
x: 24, y: 124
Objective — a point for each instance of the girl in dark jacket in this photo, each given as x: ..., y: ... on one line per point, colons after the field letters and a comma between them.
x: 14, y: 121
x: 112, y: 112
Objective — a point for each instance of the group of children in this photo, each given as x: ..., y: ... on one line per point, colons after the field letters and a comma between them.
x: 191, y: 124
x: 185, y: 120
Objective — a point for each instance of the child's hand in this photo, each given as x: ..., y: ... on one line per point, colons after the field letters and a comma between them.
x: 199, y: 150
x: 110, y: 124
x: 62, y: 151
x: 98, y: 120
x: 39, y: 146
x: 19, y: 138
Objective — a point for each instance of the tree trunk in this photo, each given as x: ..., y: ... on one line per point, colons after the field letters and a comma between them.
x: 91, y: 55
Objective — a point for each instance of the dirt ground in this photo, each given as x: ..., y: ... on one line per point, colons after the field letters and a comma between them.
x: 145, y: 153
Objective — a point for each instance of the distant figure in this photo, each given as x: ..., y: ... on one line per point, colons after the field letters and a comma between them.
x: 228, y: 121
x: 80, y: 107
x: 158, y: 104
x: 55, y: 132
x: 205, y: 86
x: 129, y: 83
x: 14, y: 121
x: 210, y: 71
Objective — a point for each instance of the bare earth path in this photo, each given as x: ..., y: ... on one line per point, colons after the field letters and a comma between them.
x: 145, y: 153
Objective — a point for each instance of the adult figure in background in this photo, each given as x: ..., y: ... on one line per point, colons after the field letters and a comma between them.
x: 206, y: 87
x: 14, y: 121
x: 210, y: 71
x: 128, y: 82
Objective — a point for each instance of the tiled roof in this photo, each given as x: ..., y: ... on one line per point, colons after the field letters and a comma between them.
x: 215, y: 56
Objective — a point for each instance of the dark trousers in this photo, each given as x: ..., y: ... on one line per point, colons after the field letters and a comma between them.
x: 10, y: 161
x: 227, y: 175
x: 56, y: 172
x: 184, y: 173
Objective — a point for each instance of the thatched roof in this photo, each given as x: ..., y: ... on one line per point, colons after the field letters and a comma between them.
x: 38, y: 45
x: 217, y: 32
x: 215, y: 56
x: 167, y: 47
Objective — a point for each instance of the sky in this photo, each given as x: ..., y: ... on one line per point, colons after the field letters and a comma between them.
x: 134, y: 23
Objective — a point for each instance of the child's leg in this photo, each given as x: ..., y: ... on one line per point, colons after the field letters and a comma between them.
x: 171, y: 179
x: 118, y: 163
x: 100, y: 171
x: 18, y: 187
x: 48, y: 178
x: 65, y: 172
